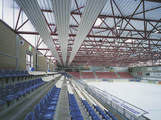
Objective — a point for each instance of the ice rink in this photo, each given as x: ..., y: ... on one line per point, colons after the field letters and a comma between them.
x: 143, y: 95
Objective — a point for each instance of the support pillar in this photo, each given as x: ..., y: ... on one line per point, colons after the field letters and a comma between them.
x: 17, y: 51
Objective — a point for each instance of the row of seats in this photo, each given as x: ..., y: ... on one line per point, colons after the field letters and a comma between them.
x: 94, y: 108
x: 19, y: 90
x: 46, y: 109
x: 90, y: 110
x: 74, y: 108
x: 75, y: 74
x: 125, y: 75
x: 13, y: 73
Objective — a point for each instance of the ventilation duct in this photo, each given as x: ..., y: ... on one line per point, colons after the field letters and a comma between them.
x: 90, y: 13
x: 62, y: 9
x: 34, y: 13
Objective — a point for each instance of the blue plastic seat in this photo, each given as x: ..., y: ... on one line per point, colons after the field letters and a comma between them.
x: 10, y: 90
x: 45, y: 106
x: 110, y: 115
x: 74, y: 108
x: 1, y: 74
x: 2, y: 102
x: 7, y: 73
x: 19, y: 87
x: 77, y: 118
x: 27, y: 74
x: 75, y: 113
x: 31, y: 116
x: 34, y: 84
x: 19, y: 73
x: 95, y: 118
x: 43, y: 114
x: 5, y: 97
x: 52, y: 98
x: 25, y: 86
x: 50, y: 102
x: 29, y: 84
x: 14, y: 73
x: 23, y: 73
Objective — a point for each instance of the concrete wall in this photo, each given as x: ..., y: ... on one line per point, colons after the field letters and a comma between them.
x: 8, y: 46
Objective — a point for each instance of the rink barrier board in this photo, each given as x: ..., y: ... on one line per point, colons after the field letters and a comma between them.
x: 134, y: 80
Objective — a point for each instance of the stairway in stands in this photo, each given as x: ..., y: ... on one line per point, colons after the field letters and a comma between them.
x: 95, y: 75
x: 118, y: 75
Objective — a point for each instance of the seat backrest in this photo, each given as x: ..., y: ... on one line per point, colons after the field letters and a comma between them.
x: 18, y: 86
x: 1, y: 72
x: 18, y: 71
x: 24, y: 84
x: 26, y: 72
x: 33, y: 82
x: 1, y: 92
x: 42, y: 103
x: 6, y: 72
x: 46, y: 98
x: 29, y: 84
x: 37, y: 110
x: 9, y: 89
x: 31, y: 116
x: 22, y: 72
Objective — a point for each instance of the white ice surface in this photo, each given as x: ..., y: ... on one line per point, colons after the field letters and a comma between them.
x: 143, y: 95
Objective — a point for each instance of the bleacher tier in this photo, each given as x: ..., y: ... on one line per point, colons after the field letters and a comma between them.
x: 75, y: 74
x: 88, y: 75
x: 125, y: 75
x: 106, y: 75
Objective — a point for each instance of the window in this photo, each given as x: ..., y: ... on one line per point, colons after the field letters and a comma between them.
x: 28, y: 61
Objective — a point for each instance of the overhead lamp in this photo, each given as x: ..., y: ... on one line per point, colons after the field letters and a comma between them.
x: 156, y: 31
x: 118, y: 27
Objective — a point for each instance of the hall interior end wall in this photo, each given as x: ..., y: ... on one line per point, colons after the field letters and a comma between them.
x: 8, y: 46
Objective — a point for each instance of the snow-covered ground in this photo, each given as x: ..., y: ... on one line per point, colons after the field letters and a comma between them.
x: 143, y: 95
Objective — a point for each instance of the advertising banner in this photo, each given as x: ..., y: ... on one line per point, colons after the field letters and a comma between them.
x: 155, y: 74
x: 138, y: 74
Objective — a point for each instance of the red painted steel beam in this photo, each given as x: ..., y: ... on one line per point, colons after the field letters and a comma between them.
x: 96, y: 36
x: 22, y: 24
x: 18, y: 18
x: 110, y: 16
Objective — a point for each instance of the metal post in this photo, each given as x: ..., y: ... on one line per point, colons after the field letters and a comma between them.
x: 17, y: 51
x: 36, y: 57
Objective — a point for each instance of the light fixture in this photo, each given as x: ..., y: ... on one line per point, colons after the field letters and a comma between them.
x: 118, y: 27
x: 156, y: 31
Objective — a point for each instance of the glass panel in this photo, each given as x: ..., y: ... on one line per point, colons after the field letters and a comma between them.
x: 8, y: 12
x: 0, y: 9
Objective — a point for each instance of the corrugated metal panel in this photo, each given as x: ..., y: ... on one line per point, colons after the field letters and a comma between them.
x: 62, y: 9
x: 33, y: 11
x: 90, y: 13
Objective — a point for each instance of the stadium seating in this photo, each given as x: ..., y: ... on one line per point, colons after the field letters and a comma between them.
x: 2, y: 74
x: 45, y: 106
x: 43, y: 114
x: 7, y: 98
x: 125, y: 75
x: 101, y: 74
x: 46, y: 109
x: 88, y: 75
x: 19, y: 87
x: 74, y: 108
x: 75, y: 74
x: 90, y: 110
x: 31, y: 116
